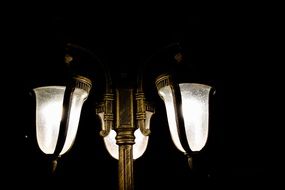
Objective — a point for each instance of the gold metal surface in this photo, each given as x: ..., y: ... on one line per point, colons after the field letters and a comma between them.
x: 125, y: 136
x: 162, y: 81
x: 82, y: 83
x: 125, y: 125
x: 107, y: 108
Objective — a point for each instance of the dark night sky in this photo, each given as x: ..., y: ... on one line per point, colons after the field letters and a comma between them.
x: 234, y: 54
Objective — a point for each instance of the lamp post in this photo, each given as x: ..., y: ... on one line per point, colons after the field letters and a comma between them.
x: 125, y: 117
x: 126, y: 134
x: 125, y: 139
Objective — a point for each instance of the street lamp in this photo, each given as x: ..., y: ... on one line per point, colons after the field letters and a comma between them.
x: 125, y: 117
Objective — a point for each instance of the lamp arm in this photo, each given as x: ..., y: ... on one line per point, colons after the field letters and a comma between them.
x: 179, y: 117
x: 108, y: 80
x: 63, y: 128
x: 142, y: 106
x: 108, y: 101
x: 106, y: 107
x: 76, y: 82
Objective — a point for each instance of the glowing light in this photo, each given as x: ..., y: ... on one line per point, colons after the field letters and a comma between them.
x: 49, y: 102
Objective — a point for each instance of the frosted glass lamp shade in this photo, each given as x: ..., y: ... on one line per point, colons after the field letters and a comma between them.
x: 195, y: 112
x: 49, y: 107
x: 167, y: 96
x: 141, y: 140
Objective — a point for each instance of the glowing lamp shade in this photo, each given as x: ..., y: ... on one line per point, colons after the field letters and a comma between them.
x: 49, y: 105
x: 141, y: 140
x: 195, y: 112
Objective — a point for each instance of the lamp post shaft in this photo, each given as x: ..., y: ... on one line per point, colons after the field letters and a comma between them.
x: 125, y: 137
x: 126, y: 167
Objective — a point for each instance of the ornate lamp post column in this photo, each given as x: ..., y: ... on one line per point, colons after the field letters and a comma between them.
x: 125, y: 136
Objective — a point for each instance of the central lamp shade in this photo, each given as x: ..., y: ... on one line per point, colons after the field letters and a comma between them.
x: 141, y: 140
x: 193, y: 108
x: 49, y: 109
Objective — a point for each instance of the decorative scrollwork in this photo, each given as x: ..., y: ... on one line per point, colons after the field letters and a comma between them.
x: 163, y: 80
x: 145, y: 132
x: 105, y: 112
x: 142, y: 107
x: 82, y: 83
x: 105, y: 132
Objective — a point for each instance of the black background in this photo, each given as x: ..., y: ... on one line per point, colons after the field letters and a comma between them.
x: 235, y: 54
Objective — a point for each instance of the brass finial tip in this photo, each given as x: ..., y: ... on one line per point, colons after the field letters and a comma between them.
x: 54, y: 166
x: 68, y: 58
x: 190, y: 162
